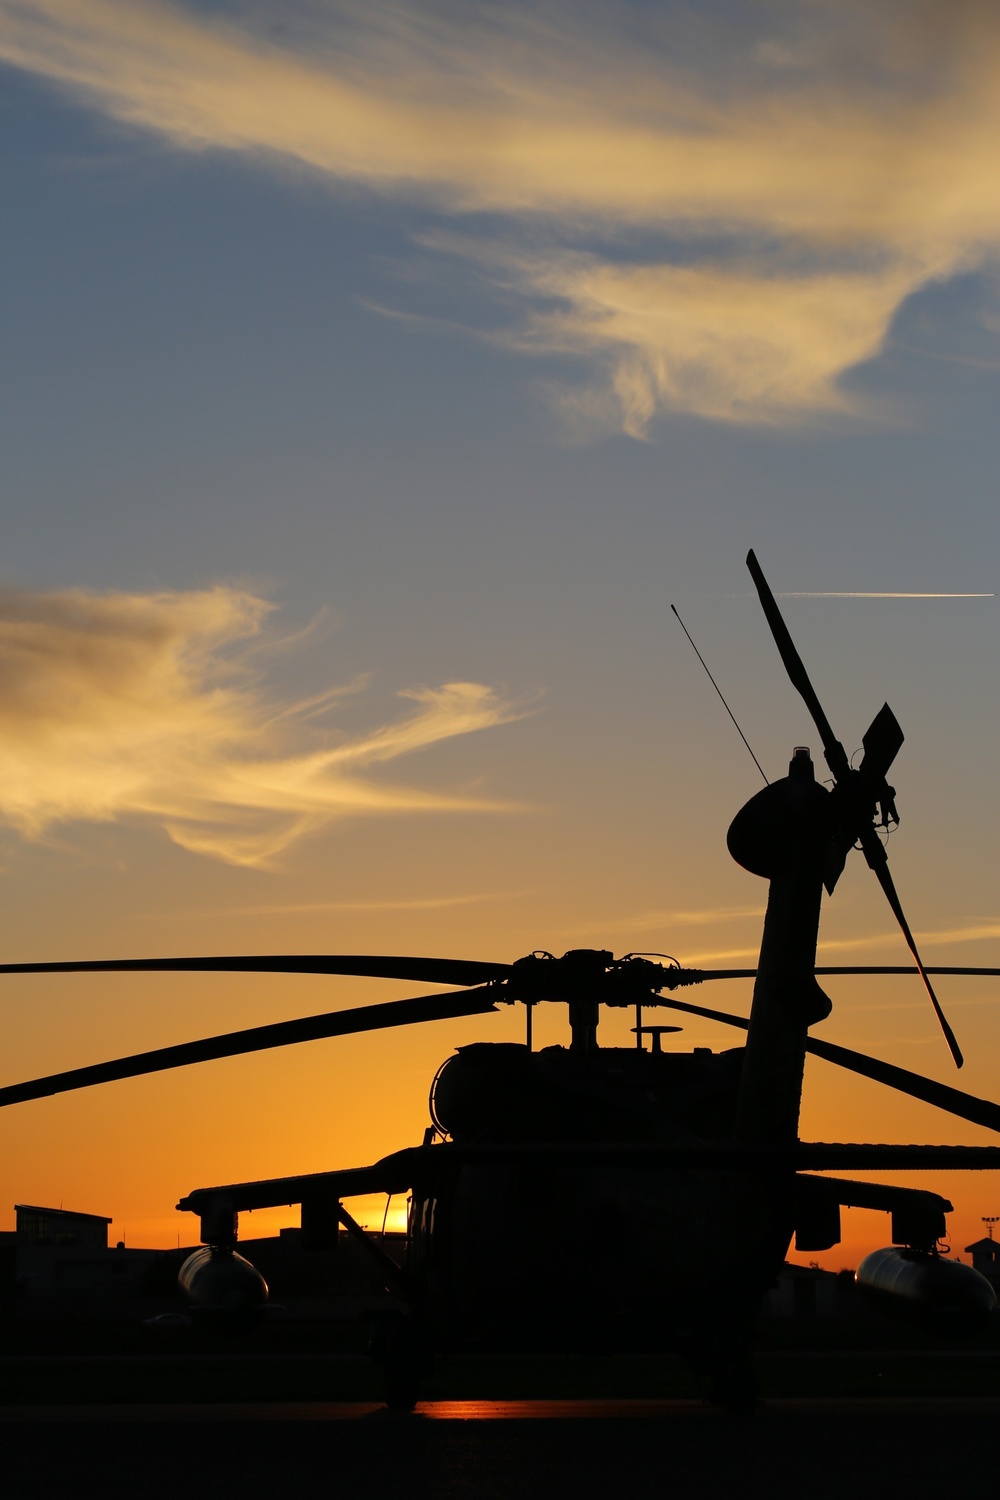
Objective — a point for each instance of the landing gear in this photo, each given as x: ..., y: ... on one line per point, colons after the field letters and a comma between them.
x: 395, y: 1344
x: 723, y: 1361
x: 733, y: 1382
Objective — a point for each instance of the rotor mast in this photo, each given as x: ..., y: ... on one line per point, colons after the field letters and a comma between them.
x: 782, y: 834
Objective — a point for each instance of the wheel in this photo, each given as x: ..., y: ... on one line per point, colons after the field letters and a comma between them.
x: 402, y: 1385
x: 393, y: 1343
x: 734, y: 1383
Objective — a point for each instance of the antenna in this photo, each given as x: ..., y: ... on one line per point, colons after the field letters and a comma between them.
x: 719, y: 691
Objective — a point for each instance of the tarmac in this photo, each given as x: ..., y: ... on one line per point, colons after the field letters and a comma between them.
x: 501, y: 1450
x: 238, y: 1425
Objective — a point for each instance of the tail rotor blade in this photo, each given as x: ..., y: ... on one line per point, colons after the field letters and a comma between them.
x: 875, y: 854
x: 836, y: 757
x: 882, y: 742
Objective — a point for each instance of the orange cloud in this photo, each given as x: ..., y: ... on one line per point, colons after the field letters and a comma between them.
x: 125, y: 706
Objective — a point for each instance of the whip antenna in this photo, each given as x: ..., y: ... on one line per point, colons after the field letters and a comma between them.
x: 719, y: 691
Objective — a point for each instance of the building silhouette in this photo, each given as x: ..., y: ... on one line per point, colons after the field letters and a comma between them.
x: 57, y: 1228
x: 986, y: 1258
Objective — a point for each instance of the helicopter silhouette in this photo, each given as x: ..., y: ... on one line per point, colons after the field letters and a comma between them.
x: 589, y: 1197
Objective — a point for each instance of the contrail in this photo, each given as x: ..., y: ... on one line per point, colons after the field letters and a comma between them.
x: 883, y: 596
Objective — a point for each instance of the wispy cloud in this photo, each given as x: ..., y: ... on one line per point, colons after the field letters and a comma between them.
x: 670, y: 921
x: 710, y: 210
x: 732, y: 341
x: 125, y: 706
x: 428, y: 903
x: 828, y: 948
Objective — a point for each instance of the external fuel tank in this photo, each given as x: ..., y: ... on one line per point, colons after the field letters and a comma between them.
x: 944, y: 1295
x: 223, y: 1289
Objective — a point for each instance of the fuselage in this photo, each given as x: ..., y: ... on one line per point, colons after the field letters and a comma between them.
x: 548, y: 1251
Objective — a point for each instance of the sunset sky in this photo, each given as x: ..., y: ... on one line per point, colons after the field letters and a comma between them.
x: 374, y: 377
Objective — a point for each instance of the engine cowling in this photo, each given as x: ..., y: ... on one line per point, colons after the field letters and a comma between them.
x: 225, y: 1291
x: 945, y: 1296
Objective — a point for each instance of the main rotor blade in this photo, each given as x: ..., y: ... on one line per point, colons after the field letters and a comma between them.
x: 836, y: 756
x: 906, y: 969
x: 953, y: 1101
x: 875, y: 854
x: 702, y: 976
x: 413, y: 970
x: 449, y: 1006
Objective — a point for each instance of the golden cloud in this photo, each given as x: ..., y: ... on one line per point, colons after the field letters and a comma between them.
x: 808, y: 166
x: 668, y: 921
x: 729, y: 343
x: 124, y: 706
x: 831, y: 947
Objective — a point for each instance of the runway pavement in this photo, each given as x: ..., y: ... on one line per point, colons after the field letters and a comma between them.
x: 502, y: 1450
